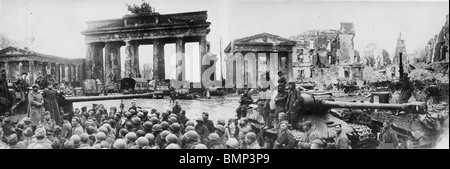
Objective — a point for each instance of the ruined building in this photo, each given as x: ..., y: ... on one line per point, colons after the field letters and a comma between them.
x: 320, y: 52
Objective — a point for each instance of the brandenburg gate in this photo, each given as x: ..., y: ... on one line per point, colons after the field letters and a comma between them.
x: 141, y: 29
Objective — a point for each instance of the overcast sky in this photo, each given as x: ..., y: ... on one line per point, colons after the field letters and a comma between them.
x: 56, y: 24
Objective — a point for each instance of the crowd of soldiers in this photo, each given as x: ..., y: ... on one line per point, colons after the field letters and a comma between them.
x: 48, y: 127
x: 137, y: 128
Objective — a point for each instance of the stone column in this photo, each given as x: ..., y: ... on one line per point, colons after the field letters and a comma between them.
x: 8, y: 72
x: 158, y: 60
x: 135, y: 60
x: 203, y: 51
x: 31, y: 72
x: 94, y: 61
x: 77, y: 74
x: 57, y: 73
x: 44, y: 68
x: 290, y: 71
x: 181, y: 60
x: 112, y: 62
x: 69, y: 73
x: 274, y: 67
x: 63, y: 73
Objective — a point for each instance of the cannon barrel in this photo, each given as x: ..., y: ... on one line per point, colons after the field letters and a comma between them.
x: 321, y: 104
x: 100, y: 98
x: 386, y: 106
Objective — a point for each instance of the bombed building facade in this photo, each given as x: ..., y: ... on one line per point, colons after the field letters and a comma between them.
x: 321, y: 52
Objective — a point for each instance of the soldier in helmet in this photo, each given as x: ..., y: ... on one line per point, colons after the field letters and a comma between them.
x: 201, y: 129
x: 151, y: 141
x: 131, y: 138
x: 213, y: 142
x: 232, y: 143
x: 175, y: 128
x: 142, y: 143
x: 190, y: 140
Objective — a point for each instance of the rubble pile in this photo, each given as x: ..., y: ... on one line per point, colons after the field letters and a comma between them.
x: 364, y: 132
x: 298, y: 135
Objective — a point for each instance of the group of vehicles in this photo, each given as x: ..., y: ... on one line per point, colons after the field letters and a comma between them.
x: 93, y: 87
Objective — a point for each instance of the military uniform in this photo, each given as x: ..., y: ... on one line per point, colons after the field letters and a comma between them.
x: 36, y: 108
x: 388, y: 139
x: 42, y: 143
x: 254, y: 145
x: 285, y: 140
x: 342, y: 142
x: 310, y: 136
x: 293, y: 102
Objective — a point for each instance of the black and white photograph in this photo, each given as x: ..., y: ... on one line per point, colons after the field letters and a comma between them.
x: 224, y: 74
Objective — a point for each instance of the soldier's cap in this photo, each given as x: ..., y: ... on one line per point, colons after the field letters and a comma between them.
x: 24, y: 73
x: 280, y: 73
x: 12, y: 139
x: 7, y: 114
x: 46, y: 113
x: 220, y: 127
x: 40, y: 132
x: 199, y: 119
x: 292, y: 83
x: 35, y: 86
x: 28, y: 132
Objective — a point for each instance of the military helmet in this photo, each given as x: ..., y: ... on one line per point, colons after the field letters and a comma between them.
x: 148, y: 125
x: 201, y: 146
x: 100, y: 136
x: 150, y: 137
x: 140, y: 133
x: 189, y: 128
x: 131, y: 136
x: 165, y: 125
x: 214, y: 137
x: 120, y: 144
x: 220, y: 127
x: 142, y: 142
x: 233, y: 143
x: 173, y: 146
x: 173, y: 120
x: 136, y: 120
x: 103, y: 129
x: 172, y: 138
x: 154, y: 120
x: 164, y: 134
x: 190, y: 123
x: 175, y: 127
x: 156, y: 127
x: 191, y: 135
x: 140, y: 115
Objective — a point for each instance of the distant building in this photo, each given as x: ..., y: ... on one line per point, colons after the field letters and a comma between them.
x: 16, y: 61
